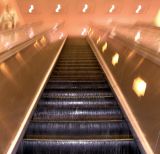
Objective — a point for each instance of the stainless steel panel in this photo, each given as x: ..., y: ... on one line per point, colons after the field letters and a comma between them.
x: 145, y: 109
x: 21, y: 78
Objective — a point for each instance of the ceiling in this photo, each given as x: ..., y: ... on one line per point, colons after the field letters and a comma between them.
x: 98, y: 11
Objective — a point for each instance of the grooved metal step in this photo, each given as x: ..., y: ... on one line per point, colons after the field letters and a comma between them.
x: 78, y: 112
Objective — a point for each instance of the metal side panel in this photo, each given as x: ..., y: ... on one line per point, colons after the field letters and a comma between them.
x: 135, y: 108
x: 23, y: 77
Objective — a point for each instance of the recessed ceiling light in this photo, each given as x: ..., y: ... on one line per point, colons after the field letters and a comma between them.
x: 112, y: 8
x: 84, y: 31
x: 31, y: 8
x: 137, y: 37
x: 61, y: 36
x: 85, y: 8
x: 58, y: 8
x: 139, y: 7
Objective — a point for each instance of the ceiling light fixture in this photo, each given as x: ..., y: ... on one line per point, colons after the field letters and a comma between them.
x: 84, y: 31
x: 85, y: 8
x: 58, y: 8
x: 139, y: 8
x: 31, y: 8
x: 61, y: 36
x: 137, y: 37
x: 112, y: 8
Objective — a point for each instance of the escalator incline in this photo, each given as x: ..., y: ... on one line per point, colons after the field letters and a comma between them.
x: 78, y: 113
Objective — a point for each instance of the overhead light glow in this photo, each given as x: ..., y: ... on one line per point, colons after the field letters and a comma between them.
x: 157, y: 19
x: 137, y: 36
x: 31, y: 8
x: 112, y: 8
x: 139, y: 8
x: 58, y: 8
x: 84, y: 31
x: 115, y: 59
x: 139, y: 86
x: 85, y: 8
x: 104, y: 47
x: 98, y: 40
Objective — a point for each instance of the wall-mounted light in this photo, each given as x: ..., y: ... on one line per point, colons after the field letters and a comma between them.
x: 137, y: 36
x: 31, y: 8
x: 115, y: 59
x: 112, y: 8
x: 85, y: 8
x: 98, y: 40
x: 138, y: 9
x: 139, y: 86
x: 84, y: 31
x: 157, y: 19
x: 104, y: 47
x: 61, y: 36
x: 58, y: 8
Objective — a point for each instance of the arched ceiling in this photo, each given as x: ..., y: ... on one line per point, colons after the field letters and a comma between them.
x: 98, y: 11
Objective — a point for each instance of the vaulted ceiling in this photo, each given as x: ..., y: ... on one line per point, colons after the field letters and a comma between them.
x: 98, y: 11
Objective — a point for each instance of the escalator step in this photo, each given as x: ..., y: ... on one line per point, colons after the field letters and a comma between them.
x: 112, y: 146
x: 81, y: 93
x: 78, y: 102
x: 108, y: 129
x: 50, y: 113
x: 64, y: 85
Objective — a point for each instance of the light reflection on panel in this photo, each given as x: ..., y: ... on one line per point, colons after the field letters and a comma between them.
x: 104, y: 47
x: 139, y: 86
x: 43, y: 41
x: 157, y: 19
x: 115, y: 59
x: 98, y: 40
x: 6, y: 72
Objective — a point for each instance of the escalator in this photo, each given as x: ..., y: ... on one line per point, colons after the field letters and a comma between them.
x: 78, y: 112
